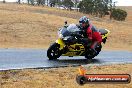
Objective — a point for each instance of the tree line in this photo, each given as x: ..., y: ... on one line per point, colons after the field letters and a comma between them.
x: 98, y: 8
x: 52, y: 3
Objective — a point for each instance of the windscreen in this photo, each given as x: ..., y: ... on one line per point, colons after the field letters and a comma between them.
x: 64, y: 32
x: 72, y: 28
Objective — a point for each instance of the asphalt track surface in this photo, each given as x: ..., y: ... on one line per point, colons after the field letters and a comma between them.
x: 37, y: 58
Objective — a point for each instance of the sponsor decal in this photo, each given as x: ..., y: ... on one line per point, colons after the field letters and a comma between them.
x: 84, y: 78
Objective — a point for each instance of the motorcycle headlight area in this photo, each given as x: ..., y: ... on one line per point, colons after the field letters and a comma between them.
x: 66, y: 38
x: 61, y: 36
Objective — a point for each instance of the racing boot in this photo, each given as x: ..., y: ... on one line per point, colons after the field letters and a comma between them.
x: 93, y: 46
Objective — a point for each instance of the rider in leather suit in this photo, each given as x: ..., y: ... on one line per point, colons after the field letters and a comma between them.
x: 90, y: 32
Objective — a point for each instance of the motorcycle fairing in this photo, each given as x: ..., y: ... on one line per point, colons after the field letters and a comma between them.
x: 61, y: 43
x: 75, y: 50
x: 104, y: 35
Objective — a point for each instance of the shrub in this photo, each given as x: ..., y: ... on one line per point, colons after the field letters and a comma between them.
x: 119, y: 14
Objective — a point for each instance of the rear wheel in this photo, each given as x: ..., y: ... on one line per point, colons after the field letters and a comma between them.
x: 98, y: 49
x: 54, y: 52
x: 89, y: 54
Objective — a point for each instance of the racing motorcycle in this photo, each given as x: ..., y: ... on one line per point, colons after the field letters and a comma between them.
x: 72, y: 43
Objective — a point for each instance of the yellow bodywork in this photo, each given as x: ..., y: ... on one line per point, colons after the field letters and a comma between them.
x: 104, y: 36
x: 72, y: 48
x: 62, y: 44
x: 73, y: 51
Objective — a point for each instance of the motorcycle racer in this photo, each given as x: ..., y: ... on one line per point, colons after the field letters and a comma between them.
x: 89, y: 31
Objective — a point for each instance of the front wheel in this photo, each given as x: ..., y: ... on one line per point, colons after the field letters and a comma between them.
x: 54, y: 52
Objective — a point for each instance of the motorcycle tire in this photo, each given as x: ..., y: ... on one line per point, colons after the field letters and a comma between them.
x: 53, y: 52
x: 98, y: 49
x: 89, y: 54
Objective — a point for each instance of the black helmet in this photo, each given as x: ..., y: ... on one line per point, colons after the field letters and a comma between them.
x: 84, y: 19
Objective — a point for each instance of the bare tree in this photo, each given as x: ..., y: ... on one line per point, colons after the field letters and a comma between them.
x: 47, y: 2
x: 4, y: 1
x: 40, y: 2
x: 28, y: 1
x: 19, y: 1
